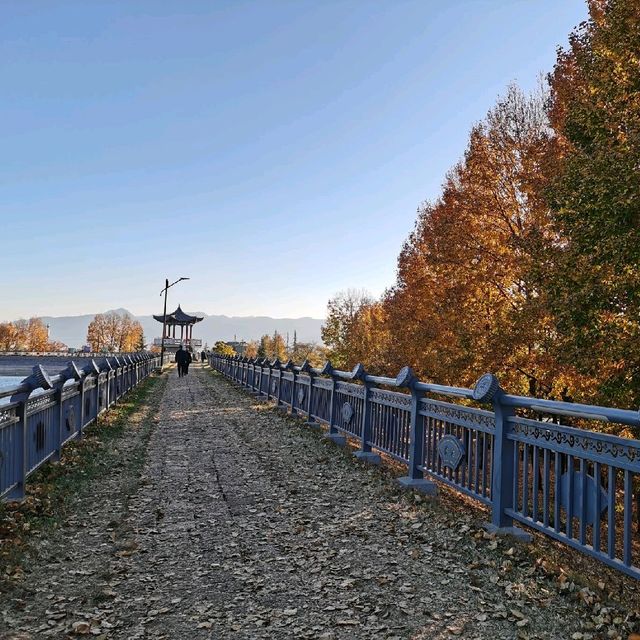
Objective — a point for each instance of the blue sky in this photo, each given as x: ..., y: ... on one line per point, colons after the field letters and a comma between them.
x: 273, y: 151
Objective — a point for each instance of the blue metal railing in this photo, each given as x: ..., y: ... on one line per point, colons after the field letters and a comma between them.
x: 42, y: 413
x: 579, y: 487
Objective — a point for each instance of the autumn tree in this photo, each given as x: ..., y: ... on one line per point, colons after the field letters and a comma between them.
x: 27, y: 335
x: 251, y: 350
x: 343, y: 314
x: 314, y: 353
x: 264, y: 347
x: 278, y: 347
x: 114, y: 332
x: 272, y: 347
x: 223, y: 349
x: 594, y: 192
x: 7, y: 336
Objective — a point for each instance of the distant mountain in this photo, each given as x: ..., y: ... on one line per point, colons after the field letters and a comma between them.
x: 72, y: 330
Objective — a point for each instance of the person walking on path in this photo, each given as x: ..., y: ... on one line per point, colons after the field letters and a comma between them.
x: 183, y: 358
x: 203, y: 357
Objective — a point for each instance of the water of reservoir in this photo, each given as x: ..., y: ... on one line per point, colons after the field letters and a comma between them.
x: 10, y: 381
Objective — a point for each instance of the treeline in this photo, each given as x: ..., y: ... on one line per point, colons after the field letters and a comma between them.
x: 27, y: 335
x: 528, y: 264
x: 275, y: 346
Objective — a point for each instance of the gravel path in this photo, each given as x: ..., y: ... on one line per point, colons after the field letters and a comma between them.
x: 247, y: 525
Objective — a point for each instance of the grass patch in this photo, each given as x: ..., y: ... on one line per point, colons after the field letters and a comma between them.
x: 54, y: 488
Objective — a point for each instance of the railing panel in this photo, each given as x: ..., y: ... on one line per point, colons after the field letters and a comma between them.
x: 287, y: 388
x: 321, y: 400
x: 469, y: 430
x: 580, y: 487
x: 349, y: 407
x: 102, y: 392
x: 42, y: 431
x: 71, y: 410
x: 302, y: 394
x: 264, y: 381
x: 89, y: 407
x: 275, y: 385
x: 391, y: 423
x: 10, y: 446
x: 113, y: 388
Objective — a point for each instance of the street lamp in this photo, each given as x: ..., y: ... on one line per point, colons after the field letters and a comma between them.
x: 164, y: 317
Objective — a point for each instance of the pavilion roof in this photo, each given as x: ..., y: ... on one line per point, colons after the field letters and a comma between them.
x: 179, y: 317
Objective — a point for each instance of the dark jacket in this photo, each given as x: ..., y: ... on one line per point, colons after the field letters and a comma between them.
x: 183, y: 356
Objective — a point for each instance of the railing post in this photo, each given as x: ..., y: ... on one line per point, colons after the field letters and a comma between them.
x: 81, y: 423
x: 365, y: 454
x: 263, y: 363
x: 58, y: 451
x: 289, y: 366
x: 254, y: 389
x: 277, y: 364
x: 96, y: 373
x: 308, y: 369
x: 269, y: 379
x: 415, y: 479
x: 254, y: 376
x: 487, y: 389
x: 23, y: 453
x: 106, y: 367
x: 333, y: 433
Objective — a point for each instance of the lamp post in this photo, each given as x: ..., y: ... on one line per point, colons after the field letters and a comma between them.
x: 164, y: 317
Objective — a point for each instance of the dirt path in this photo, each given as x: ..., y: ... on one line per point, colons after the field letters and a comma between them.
x: 247, y: 525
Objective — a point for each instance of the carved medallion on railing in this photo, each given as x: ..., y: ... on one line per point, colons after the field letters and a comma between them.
x: 70, y: 420
x: 574, y: 479
x: 451, y: 451
x: 347, y: 412
x: 301, y: 393
x: 274, y: 386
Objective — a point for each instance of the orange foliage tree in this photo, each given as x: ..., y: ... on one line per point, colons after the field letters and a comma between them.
x: 26, y: 335
x: 114, y: 332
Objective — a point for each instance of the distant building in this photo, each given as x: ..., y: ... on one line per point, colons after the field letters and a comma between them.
x: 238, y: 347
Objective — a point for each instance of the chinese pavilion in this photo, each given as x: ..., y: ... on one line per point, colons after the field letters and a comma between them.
x: 185, y: 321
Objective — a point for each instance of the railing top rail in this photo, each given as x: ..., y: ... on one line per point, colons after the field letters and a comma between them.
x: 576, y: 410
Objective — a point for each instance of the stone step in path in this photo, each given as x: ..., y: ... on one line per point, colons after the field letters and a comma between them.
x: 246, y: 525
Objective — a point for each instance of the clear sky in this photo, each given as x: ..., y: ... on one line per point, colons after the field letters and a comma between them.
x: 274, y: 151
